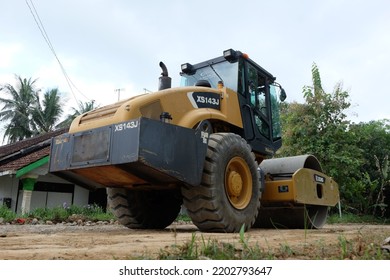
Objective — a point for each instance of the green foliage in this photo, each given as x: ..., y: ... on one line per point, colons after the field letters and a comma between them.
x: 83, y: 107
x: 24, y: 112
x: 374, y: 139
x: 345, y: 246
x: 383, y: 170
x: 372, y: 176
x: 358, y: 196
x: 56, y: 214
x: 319, y: 127
x: 356, y: 219
x: 7, y: 214
x: 26, y: 115
x: 47, y: 113
x: 348, y: 152
x: 59, y: 214
x: 200, y: 248
x: 16, y: 110
x: 183, y: 218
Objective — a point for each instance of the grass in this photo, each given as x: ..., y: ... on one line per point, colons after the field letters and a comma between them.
x: 199, y: 248
x: 363, y: 246
x: 6, y: 214
x: 59, y: 214
x: 359, y: 219
x: 96, y: 213
x: 183, y: 218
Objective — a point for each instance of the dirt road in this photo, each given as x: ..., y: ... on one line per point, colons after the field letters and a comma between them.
x: 45, y: 242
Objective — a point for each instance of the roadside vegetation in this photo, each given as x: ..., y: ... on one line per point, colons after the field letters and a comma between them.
x: 97, y: 213
x: 356, y: 219
x: 92, y: 213
x: 360, y: 248
x: 356, y: 155
x: 198, y: 248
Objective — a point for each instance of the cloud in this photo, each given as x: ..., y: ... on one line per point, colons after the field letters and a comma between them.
x: 106, y: 45
x: 80, y: 88
x: 9, y: 53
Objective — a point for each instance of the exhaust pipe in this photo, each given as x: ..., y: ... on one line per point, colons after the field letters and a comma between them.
x: 164, y: 81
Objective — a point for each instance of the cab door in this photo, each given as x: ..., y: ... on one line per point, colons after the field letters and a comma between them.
x: 257, y: 93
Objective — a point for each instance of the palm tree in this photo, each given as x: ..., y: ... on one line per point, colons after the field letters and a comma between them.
x: 46, y: 115
x: 17, y: 109
x: 83, y: 107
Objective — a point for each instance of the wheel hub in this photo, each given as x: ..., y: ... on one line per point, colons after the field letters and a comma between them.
x: 234, y: 184
x: 238, y: 183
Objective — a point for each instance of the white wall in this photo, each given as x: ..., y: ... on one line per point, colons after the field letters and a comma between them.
x: 9, y: 188
x: 39, y: 199
x: 55, y: 199
x: 81, y: 196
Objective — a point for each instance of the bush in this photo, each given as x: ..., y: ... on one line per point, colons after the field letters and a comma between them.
x: 354, y: 218
x: 7, y: 214
x: 58, y: 214
x: 53, y: 214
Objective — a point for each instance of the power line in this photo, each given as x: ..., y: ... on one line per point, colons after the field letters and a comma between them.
x: 42, y: 29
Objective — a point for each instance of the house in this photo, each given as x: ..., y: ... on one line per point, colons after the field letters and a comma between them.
x: 26, y: 184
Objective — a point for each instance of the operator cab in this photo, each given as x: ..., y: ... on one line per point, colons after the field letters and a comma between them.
x: 258, y: 93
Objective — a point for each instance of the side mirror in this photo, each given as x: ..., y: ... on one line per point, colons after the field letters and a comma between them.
x: 282, y: 95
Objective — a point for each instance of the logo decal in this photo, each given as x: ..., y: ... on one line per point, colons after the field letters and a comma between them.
x: 205, y: 100
x: 126, y: 125
x: 319, y: 179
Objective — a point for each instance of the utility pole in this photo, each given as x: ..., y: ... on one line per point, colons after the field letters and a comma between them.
x: 118, y: 90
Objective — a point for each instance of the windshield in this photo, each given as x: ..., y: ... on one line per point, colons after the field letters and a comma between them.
x: 225, y: 71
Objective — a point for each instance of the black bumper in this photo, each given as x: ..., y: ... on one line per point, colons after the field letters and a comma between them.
x: 130, y: 153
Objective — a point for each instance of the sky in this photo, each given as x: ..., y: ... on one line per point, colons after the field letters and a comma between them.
x: 106, y: 45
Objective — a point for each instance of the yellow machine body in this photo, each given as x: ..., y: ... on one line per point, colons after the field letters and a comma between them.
x: 306, y: 186
x: 176, y: 101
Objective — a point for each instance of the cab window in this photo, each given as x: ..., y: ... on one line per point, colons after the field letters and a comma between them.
x: 276, y: 127
x: 257, y: 89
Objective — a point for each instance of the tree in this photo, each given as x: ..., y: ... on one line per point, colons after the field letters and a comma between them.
x: 355, y: 155
x: 83, y: 107
x: 46, y: 115
x: 16, y: 109
x: 384, y: 176
x: 319, y: 127
x: 24, y: 111
x: 373, y: 139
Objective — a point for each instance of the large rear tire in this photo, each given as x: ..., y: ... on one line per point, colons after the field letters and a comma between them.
x: 144, y: 209
x: 229, y: 194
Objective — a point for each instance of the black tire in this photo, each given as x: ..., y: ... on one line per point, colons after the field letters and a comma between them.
x: 144, y: 209
x: 229, y: 194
